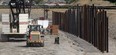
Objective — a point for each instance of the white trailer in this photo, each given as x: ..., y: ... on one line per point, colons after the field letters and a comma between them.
x: 8, y: 31
x: 44, y: 23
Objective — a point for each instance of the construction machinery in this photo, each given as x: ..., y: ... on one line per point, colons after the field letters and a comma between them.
x: 15, y: 23
x: 35, y: 35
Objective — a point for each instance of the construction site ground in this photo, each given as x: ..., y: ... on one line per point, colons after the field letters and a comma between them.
x: 69, y: 45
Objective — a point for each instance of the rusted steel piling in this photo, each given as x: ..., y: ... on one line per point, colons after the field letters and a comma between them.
x: 87, y: 22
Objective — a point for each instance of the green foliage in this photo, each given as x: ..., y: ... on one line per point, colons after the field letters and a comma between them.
x: 38, y: 1
x: 70, y: 1
x: 112, y: 1
x: 67, y: 1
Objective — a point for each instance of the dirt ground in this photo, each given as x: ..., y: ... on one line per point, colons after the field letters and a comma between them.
x: 19, y: 47
x: 67, y: 45
x: 112, y: 30
x: 35, y: 13
x: 112, y: 22
x: 95, y: 2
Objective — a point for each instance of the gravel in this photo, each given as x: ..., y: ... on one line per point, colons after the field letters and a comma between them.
x: 85, y: 46
x: 0, y: 28
x: 95, y: 2
x: 65, y: 47
x: 69, y: 44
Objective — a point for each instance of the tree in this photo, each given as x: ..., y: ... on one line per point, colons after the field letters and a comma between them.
x: 70, y: 1
x: 38, y: 1
x: 112, y: 0
x: 67, y: 1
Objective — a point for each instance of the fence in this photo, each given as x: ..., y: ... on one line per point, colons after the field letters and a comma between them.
x: 87, y: 22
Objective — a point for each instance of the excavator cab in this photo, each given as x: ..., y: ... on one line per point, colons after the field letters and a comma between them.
x: 35, y: 36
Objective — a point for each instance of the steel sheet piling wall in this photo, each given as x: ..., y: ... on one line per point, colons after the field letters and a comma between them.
x: 87, y: 22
